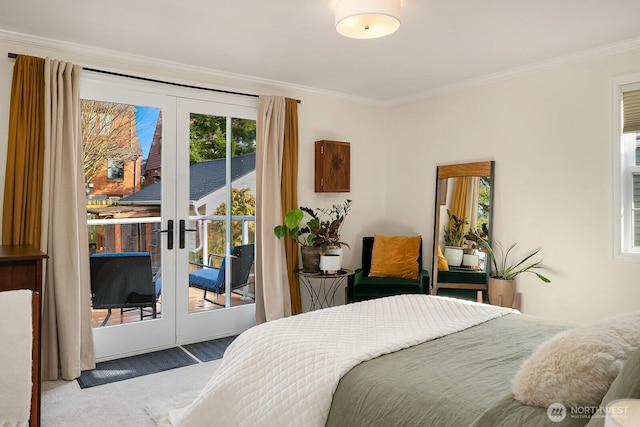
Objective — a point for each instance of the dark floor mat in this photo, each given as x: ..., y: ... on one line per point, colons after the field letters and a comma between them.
x: 210, y: 350
x: 135, y: 366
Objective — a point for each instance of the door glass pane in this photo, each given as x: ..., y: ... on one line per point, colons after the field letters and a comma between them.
x: 209, y: 272
x: 122, y: 165
x: 207, y: 172
x: 243, y: 211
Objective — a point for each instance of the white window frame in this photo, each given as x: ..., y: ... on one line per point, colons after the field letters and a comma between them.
x: 623, y: 169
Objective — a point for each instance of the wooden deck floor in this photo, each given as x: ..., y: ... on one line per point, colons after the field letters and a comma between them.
x: 196, y: 304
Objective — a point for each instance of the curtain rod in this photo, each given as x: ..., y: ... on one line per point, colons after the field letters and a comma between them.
x: 147, y: 79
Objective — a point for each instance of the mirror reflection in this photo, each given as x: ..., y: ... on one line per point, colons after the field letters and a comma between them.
x: 463, y: 209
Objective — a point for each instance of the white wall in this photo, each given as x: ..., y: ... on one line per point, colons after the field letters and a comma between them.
x: 550, y: 136
x: 361, y: 126
x: 548, y: 132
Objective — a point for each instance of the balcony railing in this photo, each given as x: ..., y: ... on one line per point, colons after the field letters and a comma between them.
x: 140, y: 234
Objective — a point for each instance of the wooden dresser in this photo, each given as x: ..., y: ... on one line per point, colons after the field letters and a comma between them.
x: 21, y: 268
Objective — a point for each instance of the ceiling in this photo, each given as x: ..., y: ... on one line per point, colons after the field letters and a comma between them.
x: 441, y: 43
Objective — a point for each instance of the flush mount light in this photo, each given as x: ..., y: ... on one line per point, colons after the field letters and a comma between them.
x: 367, y: 19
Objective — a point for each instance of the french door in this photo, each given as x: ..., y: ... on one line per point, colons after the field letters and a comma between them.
x: 209, y: 211
x: 150, y: 197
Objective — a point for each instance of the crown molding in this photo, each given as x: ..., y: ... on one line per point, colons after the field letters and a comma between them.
x: 574, y: 58
x: 155, y: 68
x: 194, y: 75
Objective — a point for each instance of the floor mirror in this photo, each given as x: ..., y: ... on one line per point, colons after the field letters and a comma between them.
x: 463, y: 203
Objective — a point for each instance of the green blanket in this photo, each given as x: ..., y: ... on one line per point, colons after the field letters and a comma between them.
x: 450, y: 381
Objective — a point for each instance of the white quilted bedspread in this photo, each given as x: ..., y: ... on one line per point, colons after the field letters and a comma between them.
x: 284, y: 372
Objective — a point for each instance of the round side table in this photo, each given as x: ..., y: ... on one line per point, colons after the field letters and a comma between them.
x: 324, y: 294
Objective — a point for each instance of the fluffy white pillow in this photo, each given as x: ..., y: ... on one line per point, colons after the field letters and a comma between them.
x: 577, y: 366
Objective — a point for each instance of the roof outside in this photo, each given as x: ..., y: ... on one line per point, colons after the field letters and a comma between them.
x: 204, y: 178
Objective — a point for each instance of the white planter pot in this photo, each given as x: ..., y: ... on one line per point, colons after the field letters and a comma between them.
x: 470, y: 260
x: 330, y: 263
x: 333, y: 250
x: 453, y: 254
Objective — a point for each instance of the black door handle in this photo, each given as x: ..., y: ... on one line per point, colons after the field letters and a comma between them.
x: 182, y: 230
x: 169, y: 232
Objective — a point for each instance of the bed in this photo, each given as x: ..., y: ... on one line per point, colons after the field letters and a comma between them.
x: 403, y: 360
x: 460, y: 376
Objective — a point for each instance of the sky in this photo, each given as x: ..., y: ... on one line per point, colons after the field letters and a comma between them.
x: 146, y: 119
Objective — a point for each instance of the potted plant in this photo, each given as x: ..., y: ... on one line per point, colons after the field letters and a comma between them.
x: 502, y: 278
x: 326, y: 227
x: 303, y: 236
x: 326, y: 224
x: 471, y: 256
x: 319, y: 236
x: 454, y: 235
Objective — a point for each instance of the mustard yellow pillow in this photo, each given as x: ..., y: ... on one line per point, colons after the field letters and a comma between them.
x: 443, y: 265
x: 395, y: 256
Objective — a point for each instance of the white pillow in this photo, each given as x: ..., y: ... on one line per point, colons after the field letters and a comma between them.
x: 577, y: 366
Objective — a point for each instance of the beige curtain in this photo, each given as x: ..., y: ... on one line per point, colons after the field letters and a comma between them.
x: 273, y: 299
x: 289, y: 190
x: 67, y: 338
x: 473, y: 195
x: 21, y: 208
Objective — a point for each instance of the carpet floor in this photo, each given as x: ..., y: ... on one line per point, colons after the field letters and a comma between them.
x: 151, y: 363
x: 122, y: 403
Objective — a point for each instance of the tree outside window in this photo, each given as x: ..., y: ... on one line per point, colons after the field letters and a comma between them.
x: 207, y: 137
x: 242, y: 203
x: 108, y: 131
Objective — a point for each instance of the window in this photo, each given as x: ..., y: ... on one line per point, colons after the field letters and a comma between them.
x: 115, y: 169
x: 626, y: 136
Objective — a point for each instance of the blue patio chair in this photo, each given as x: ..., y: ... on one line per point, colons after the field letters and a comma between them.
x: 123, y: 280
x: 212, y: 279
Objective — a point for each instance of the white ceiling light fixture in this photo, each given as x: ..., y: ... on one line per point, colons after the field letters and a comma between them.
x: 367, y: 19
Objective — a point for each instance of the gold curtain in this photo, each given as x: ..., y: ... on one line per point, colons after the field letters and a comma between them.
x: 44, y: 205
x: 464, y: 203
x: 289, y: 188
x: 459, y: 200
x: 22, y: 205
